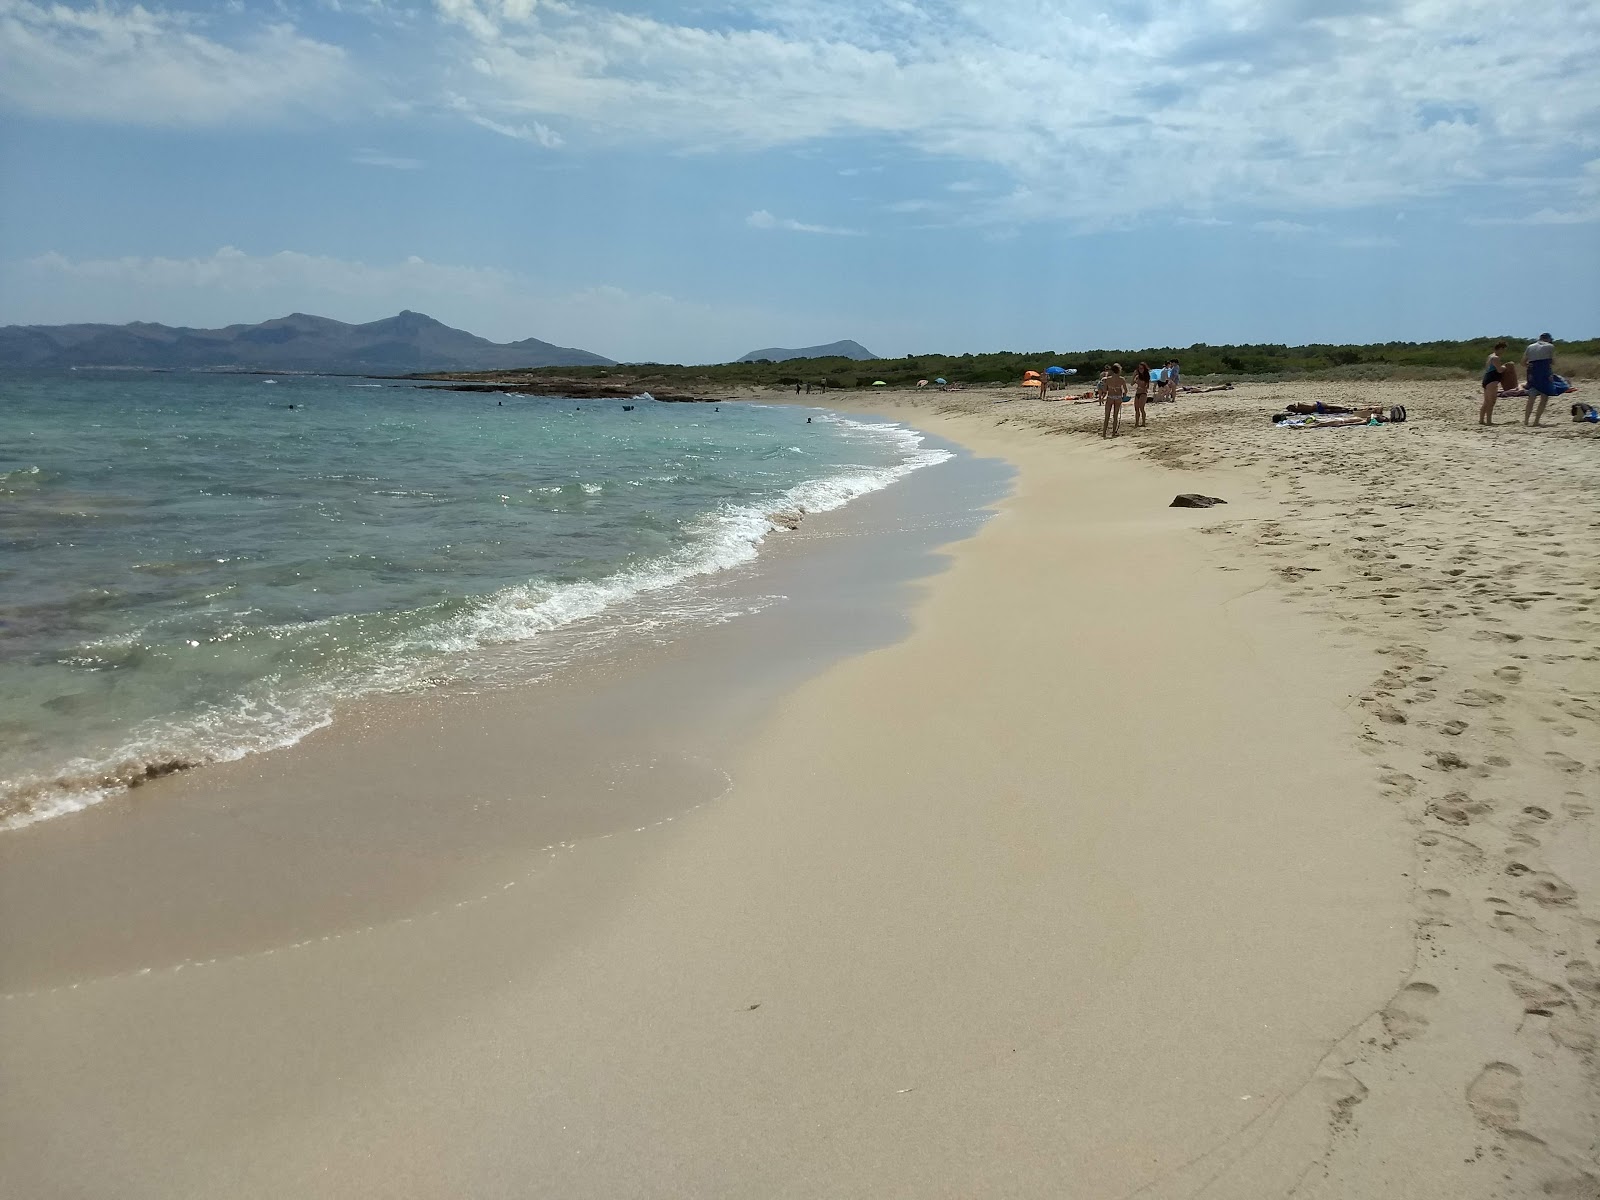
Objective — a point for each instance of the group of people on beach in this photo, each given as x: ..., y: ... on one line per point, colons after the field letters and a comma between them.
x: 1500, y: 380
x: 1113, y: 390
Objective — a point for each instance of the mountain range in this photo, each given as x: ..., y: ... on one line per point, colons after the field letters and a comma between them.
x: 845, y: 349
x: 404, y: 343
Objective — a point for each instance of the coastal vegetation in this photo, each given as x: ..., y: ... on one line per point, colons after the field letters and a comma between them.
x: 1385, y: 360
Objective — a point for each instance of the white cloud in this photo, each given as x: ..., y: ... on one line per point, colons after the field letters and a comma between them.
x: 536, y: 132
x: 377, y: 158
x: 1281, y: 228
x: 1286, y: 106
x: 233, y: 271
x: 1581, y: 203
x: 762, y: 219
x: 132, y: 65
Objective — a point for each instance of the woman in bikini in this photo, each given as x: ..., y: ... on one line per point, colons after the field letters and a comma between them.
x: 1116, y: 389
x: 1141, y: 392
x: 1492, y: 369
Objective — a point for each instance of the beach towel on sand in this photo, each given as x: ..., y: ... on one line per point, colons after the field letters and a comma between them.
x: 1543, y: 379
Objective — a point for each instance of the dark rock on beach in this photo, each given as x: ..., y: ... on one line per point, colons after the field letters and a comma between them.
x: 1195, y: 500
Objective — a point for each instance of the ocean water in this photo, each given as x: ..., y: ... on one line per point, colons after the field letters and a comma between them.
x: 192, y: 571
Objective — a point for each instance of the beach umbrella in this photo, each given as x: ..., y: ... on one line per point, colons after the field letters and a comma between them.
x: 1038, y: 383
x: 1055, y: 370
x: 938, y: 381
x: 879, y: 383
x: 922, y: 383
x: 1030, y: 374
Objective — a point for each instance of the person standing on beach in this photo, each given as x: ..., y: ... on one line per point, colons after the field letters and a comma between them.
x: 1116, y: 388
x: 1491, y: 385
x: 1141, y: 392
x: 1540, y: 359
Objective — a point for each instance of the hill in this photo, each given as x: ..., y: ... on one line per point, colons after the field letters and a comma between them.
x: 409, y: 341
x: 846, y: 349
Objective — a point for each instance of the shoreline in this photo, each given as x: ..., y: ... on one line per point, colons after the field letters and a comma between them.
x: 64, y: 778
x: 434, y: 791
x: 1113, y: 876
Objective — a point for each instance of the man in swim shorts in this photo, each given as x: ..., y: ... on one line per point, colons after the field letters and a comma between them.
x: 1540, y: 359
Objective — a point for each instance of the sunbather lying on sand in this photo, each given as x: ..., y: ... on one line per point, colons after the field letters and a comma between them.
x: 1370, y: 410
x: 1328, y: 416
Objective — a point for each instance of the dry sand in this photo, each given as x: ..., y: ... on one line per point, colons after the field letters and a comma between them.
x: 1233, y: 853
x: 1469, y: 559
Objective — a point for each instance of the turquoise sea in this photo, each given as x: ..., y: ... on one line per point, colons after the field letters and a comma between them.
x: 193, y: 571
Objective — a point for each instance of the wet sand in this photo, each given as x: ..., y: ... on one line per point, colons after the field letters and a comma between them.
x: 1150, y: 861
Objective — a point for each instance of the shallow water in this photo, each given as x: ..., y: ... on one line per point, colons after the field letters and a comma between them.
x: 194, y: 571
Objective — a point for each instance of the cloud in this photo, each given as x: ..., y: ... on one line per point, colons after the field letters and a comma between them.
x: 377, y: 158
x: 1545, y: 216
x: 762, y: 219
x: 1289, y: 107
x: 1581, y: 203
x: 1369, y: 242
x: 1280, y: 228
x: 536, y: 132
x: 127, y: 64
x: 233, y: 271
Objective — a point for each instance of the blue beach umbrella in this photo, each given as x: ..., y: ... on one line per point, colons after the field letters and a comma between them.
x: 938, y: 381
x: 1055, y: 370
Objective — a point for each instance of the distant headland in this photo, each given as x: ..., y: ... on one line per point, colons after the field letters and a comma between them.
x: 407, y: 342
x: 845, y: 349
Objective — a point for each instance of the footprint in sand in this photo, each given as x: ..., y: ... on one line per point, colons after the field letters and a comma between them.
x: 1537, y: 995
x: 1583, y: 978
x: 1492, y: 635
x: 1559, y: 760
x: 1438, y: 902
x: 1406, y: 652
x: 1447, y: 760
x: 1550, y: 890
x: 1406, y: 1015
x: 1508, y: 674
x: 1479, y: 698
x: 1495, y: 1096
x: 1458, y: 808
x: 1456, y: 849
x: 1398, y: 782
x: 1524, y: 929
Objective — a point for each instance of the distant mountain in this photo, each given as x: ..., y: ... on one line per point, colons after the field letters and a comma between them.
x: 831, y: 350
x: 299, y: 342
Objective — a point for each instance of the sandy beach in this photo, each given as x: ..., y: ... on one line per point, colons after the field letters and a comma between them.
x: 1236, y: 852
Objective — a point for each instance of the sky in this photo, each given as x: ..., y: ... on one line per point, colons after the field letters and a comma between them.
x: 685, y: 182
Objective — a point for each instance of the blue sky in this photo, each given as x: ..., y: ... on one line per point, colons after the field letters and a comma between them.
x: 689, y: 181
